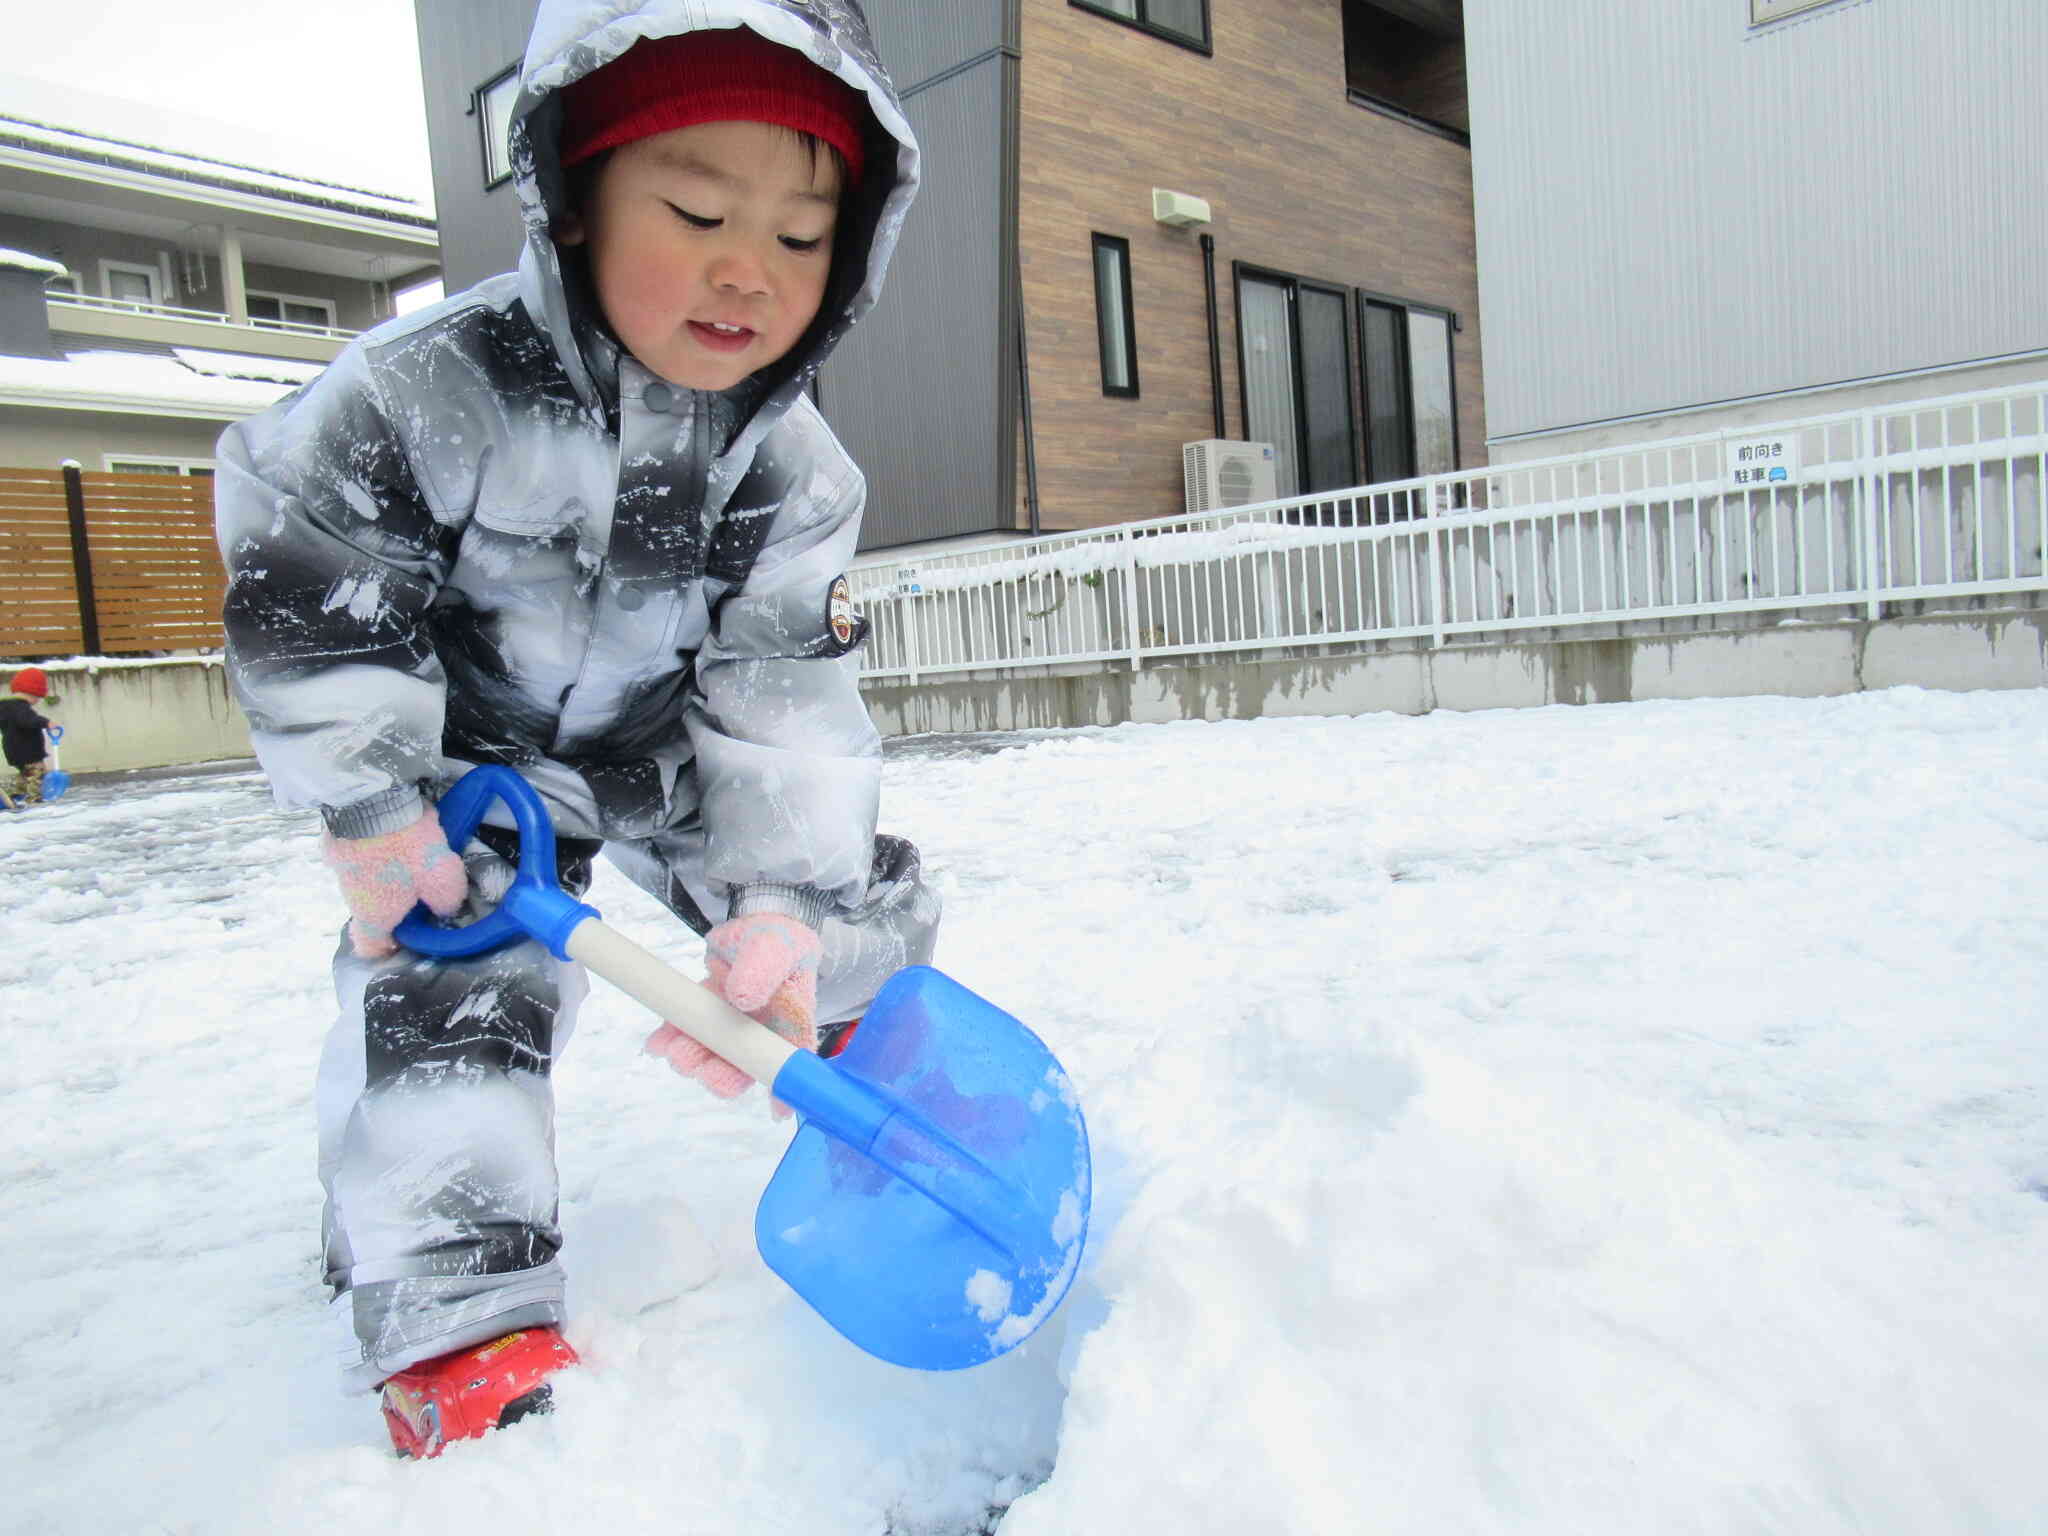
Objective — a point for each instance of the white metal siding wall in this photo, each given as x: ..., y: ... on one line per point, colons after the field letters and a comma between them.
x: 913, y: 391
x: 917, y: 391
x: 1673, y: 210
x: 463, y: 43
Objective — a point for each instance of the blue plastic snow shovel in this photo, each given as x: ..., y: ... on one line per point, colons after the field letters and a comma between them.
x: 56, y: 781
x: 934, y: 1202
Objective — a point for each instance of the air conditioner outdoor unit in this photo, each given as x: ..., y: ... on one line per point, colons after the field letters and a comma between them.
x: 1221, y: 472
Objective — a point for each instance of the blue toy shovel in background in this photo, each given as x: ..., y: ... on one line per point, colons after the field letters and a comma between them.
x: 56, y: 781
x: 934, y: 1202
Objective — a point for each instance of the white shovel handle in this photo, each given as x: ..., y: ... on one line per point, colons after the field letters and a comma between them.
x: 697, y: 1011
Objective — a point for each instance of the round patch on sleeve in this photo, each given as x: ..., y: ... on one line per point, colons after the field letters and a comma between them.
x: 844, y: 621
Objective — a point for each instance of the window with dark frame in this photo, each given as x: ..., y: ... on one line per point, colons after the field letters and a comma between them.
x: 131, y: 283
x: 1305, y: 347
x: 1294, y: 344
x: 1407, y: 61
x: 290, y: 309
x: 1178, y: 21
x: 494, y: 102
x: 1115, y: 332
x: 1411, y: 398
x: 198, y: 469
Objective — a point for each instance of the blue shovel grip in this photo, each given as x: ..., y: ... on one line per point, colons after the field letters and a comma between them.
x: 536, y: 906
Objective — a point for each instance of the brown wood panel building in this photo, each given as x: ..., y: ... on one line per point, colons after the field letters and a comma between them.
x: 1302, y: 179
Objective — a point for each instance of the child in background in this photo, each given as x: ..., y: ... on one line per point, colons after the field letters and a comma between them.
x: 585, y: 520
x: 22, y: 736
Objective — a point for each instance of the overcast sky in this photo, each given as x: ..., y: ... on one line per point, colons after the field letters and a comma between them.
x: 318, y: 86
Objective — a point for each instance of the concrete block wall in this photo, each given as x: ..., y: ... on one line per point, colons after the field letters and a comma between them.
x: 144, y: 713
x: 160, y: 713
x: 1959, y: 652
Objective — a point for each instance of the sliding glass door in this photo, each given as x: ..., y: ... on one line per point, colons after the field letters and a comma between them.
x: 1266, y: 333
x: 1296, y: 353
x: 1411, y: 419
x: 1302, y: 384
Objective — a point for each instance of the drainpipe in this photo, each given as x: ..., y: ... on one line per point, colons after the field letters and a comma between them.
x: 1024, y: 399
x: 1215, y: 343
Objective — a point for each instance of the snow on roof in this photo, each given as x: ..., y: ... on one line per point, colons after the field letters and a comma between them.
x: 178, y: 165
x: 128, y: 381
x: 235, y: 365
x: 22, y: 261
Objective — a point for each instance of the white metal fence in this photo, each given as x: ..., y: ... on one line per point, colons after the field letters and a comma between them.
x: 1848, y: 515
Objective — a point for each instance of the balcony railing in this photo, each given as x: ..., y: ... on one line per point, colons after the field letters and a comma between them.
x: 59, y: 302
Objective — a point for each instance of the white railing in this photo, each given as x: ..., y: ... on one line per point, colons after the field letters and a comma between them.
x: 58, y: 301
x: 1939, y: 499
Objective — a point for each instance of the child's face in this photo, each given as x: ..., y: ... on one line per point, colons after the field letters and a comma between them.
x: 710, y: 247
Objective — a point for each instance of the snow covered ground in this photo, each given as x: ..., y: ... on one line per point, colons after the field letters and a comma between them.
x: 1619, y: 1119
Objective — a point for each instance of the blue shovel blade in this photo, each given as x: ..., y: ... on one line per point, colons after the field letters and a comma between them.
x: 940, y: 1219
x: 55, y: 782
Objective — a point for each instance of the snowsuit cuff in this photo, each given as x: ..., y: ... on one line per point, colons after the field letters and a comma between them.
x: 806, y: 903
x: 389, y: 810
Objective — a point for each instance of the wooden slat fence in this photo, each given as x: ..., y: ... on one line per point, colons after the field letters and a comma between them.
x: 156, y: 574
x: 145, y: 545
x: 38, y: 596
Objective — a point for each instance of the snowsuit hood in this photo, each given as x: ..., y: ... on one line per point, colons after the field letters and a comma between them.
x: 575, y: 38
x: 487, y: 534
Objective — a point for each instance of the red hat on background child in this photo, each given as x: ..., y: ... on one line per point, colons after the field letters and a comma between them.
x: 728, y: 74
x: 30, y: 681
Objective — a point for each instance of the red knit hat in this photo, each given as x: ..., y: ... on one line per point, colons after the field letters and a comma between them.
x: 30, y: 680
x: 728, y: 74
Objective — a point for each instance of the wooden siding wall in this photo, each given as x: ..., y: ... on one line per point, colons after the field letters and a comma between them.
x: 1297, y: 178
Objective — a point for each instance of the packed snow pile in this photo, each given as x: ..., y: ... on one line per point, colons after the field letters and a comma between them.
x: 1624, y: 1118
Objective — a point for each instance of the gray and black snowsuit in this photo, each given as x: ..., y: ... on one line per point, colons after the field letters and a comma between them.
x: 486, y: 534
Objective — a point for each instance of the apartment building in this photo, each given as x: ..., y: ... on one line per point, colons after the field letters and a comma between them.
x: 151, y: 293
x: 1145, y: 224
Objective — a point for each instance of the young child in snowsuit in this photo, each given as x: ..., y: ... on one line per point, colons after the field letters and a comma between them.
x: 584, y: 520
x: 21, y: 733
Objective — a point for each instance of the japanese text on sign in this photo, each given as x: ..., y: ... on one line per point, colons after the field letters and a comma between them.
x: 1762, y: 461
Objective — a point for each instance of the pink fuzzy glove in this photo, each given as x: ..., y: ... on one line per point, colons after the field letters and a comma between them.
x: 766, y: 965
x: 383, y: 876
